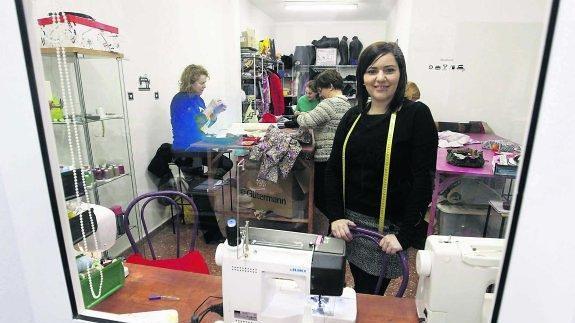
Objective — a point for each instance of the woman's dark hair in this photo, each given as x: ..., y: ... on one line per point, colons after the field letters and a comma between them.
x: 329, y: 78
x: 312, y: 86
x: 369, y: 55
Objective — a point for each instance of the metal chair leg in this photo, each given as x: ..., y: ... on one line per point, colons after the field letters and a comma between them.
x: 486, y: 221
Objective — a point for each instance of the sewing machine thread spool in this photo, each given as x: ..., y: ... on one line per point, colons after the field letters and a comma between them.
x: 232, y: 232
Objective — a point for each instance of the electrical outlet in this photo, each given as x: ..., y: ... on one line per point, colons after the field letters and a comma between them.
x: 130, y: 96
x: 156, y: 95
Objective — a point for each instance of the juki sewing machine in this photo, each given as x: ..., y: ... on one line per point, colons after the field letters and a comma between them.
x: 283, y: 277
x: 456, y: 278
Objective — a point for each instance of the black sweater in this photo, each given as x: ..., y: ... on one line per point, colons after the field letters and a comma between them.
x: 414, y: 153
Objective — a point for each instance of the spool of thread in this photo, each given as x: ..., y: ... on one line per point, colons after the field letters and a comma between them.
x: 97, y: 173
x: 121, y: 169
x: 108, y: 174
x: 232, y: 232
x: 88, y: 177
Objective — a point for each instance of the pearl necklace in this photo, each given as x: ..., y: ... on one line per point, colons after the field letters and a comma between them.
x: 68, y: 101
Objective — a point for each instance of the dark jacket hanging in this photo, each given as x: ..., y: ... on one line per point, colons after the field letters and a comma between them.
x: 343, y: 51
x: 355, y: 47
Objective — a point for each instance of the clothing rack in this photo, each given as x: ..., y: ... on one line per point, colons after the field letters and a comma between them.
x: 252, y: 78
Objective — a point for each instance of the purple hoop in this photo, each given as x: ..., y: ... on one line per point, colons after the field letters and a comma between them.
x: 375, y: 237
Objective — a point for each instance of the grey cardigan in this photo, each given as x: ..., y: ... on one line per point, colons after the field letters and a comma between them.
x: 324, y: 119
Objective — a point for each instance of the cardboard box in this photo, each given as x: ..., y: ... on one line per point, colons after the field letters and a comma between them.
x: 285, y: 198
x: 325, y: 56
x: 248, y: 39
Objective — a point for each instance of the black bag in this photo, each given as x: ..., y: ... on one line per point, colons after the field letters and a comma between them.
x: 465, y: 157
x: 326, y: 42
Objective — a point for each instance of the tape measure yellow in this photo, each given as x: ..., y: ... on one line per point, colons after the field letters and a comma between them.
x: 385, y: 182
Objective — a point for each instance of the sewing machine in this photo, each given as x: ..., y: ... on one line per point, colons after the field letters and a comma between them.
x: 456, y: 278
x: 280, y: 276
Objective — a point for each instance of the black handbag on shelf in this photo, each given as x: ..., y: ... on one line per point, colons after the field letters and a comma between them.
x: 465, y: 157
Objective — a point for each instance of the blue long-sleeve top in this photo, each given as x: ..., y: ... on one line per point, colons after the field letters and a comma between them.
x: 187, y: 119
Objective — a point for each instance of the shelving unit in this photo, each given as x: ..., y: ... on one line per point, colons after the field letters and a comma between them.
x: 303, y: 72
x: 253, y: 65
x: 97, y: 86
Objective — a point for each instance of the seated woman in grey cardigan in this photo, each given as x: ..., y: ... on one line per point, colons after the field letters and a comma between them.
x: 324, y: 119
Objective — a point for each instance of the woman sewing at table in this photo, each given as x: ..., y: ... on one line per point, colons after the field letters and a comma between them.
x: 324, y: 119
x: 361, y: 140
x: 190, y: 119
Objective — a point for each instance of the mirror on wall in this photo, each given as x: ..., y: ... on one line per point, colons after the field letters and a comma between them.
x: 185, y: 105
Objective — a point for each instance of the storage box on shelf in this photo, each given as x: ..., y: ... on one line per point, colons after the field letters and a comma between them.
x: 100, y: 121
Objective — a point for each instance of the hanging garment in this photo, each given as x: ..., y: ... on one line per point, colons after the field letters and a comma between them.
x: 265, y: 94
x: 287, y: 60
x: 277, y: 94
x: 277, y: 151
x: 343, y: 51
x: 355, y: 47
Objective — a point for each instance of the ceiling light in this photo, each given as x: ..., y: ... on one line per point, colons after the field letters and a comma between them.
x: 319, y: 5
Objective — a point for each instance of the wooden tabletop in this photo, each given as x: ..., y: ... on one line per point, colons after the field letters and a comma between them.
x: 193, y: 288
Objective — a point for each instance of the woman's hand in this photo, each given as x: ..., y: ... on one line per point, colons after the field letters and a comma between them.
x: 214, y: 108
x: 340, y: 229
x: 389, y: 244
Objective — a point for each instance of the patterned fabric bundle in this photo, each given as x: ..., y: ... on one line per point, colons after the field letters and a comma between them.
x: 277, y: 152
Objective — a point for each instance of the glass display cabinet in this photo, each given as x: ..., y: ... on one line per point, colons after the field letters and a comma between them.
x: 102, y: 128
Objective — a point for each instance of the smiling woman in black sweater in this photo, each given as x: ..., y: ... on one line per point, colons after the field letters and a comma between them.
x: 382, y: 77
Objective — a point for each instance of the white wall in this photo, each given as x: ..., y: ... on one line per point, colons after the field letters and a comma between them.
x: 543, y: 290
x: 300, y: 33
x: 160, y: 40
x: 399, y: 24
x: 252, y: 17
x: 499, y: 46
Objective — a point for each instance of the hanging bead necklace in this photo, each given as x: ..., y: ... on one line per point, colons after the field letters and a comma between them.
x: 68, y: 101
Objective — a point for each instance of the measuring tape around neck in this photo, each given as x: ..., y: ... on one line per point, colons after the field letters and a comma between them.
x: 384, y: 184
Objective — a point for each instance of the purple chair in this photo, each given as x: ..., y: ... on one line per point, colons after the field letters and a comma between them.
x: 192, y: 261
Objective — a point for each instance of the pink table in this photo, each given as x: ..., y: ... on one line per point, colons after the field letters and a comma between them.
x: 446, y: 174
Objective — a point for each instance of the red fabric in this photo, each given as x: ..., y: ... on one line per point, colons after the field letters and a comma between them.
x: 277, y: 94
x: 192, y: 262
x: 268, y: 118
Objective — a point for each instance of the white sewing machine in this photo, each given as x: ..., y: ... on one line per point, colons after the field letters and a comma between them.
x: 276, y: 276
x: 454, y: 275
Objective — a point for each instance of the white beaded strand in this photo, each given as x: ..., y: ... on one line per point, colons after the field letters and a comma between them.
x: 69, y: 102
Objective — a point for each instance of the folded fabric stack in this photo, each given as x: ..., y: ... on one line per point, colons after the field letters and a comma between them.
x: 503, y: 145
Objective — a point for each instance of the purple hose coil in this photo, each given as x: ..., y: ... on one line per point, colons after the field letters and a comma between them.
x: 375, y: 237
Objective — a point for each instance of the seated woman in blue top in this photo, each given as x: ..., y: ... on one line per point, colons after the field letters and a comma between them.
x: 189, y: 114
x: 190, y: 118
